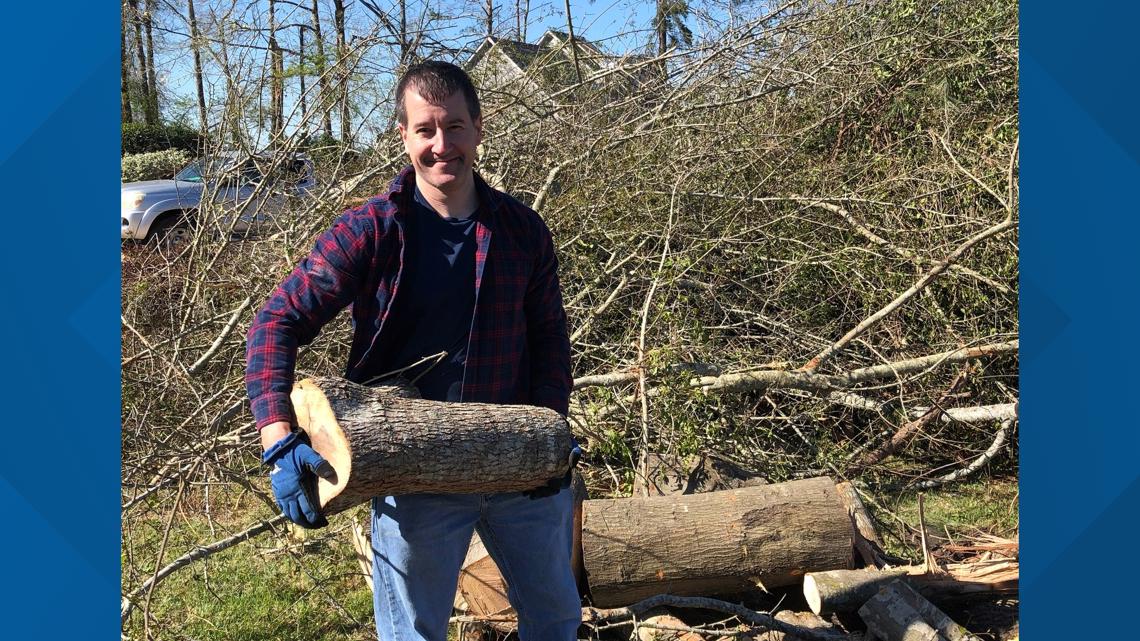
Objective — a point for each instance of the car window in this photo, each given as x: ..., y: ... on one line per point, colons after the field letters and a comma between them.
x: 191, y: 173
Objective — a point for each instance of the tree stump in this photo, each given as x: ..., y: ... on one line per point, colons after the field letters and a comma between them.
x: 383, y: 441
x: 715, y: 543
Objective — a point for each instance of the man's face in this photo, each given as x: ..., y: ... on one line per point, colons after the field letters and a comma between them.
x: 440, y: 140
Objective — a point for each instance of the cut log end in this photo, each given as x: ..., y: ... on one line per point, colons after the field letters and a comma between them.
x: 316, y: 417
x: 811, y: 593
x: 380, y: 442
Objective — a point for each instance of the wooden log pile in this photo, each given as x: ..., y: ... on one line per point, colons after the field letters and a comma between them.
x: 636, y: 555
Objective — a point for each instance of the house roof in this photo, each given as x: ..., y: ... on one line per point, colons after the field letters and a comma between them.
x: 524, y: 53
x: 554, y: 58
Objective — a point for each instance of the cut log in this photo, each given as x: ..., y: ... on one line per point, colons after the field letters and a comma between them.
x: 363, y: 547
x: 937, y: 619
x: 868, y: 543
x: 899, y: 613
x: 844, y: 591
x: 382, y: 442
x: 891, y: 618
x: 716, y: 543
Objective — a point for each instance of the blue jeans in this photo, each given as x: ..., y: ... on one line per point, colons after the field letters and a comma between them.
x: 419, y: 542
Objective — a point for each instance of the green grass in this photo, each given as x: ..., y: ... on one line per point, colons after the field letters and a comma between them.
x: 952, y: 512
x: 262, y: 589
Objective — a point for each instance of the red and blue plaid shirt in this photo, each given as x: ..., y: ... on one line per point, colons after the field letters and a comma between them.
x: 518, y: 350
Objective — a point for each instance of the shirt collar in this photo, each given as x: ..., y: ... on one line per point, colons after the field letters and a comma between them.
x: 490, y: 200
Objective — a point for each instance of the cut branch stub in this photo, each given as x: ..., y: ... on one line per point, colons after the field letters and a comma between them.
x: 384, y: 441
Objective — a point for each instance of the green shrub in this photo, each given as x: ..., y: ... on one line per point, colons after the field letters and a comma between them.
x: 139, y: 138
x: 154, y: 166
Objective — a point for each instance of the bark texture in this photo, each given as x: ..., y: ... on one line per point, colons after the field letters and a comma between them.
x: 841, y: 591
x: 845, y: 590
x: 892, y: 618
x: 868, y: 543
x: 380, y: 441
x: 715, y: 543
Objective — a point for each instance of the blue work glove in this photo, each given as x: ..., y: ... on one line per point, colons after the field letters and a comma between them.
x: 293, y: 479
x: 554, y: 486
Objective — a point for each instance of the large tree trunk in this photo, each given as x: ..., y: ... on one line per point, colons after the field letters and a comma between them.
x: 344, y: 72
x: 151, y: 76
x: 124, y: 72
x: 276, y: 78
x: 842, y: 591
x: 196, y: 47
x: 301, y: 74
x: 716, y: 543
x: 324, y: 97
x: 140, y: 54
x: 380, y: 441
x: 405, y: 42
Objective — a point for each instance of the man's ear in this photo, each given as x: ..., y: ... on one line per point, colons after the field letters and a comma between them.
x: 479, y: 128
x: 403, y: 131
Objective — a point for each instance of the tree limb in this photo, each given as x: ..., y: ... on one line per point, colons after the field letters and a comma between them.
x: 890, y: 307
x: 752, y: 617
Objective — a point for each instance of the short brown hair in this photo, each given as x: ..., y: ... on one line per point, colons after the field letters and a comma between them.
x: 436, y: 81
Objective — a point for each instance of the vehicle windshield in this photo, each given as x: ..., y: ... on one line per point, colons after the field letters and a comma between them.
x: 191, y: 173
x: 224, y: 168
x: 229, y: 171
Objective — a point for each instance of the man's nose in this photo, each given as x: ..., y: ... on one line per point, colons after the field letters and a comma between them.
x: 440, y: 143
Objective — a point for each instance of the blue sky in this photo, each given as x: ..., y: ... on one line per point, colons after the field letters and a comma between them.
x: 619, y: 26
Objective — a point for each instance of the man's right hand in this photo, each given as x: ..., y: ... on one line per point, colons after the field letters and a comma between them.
x: 292, y: 478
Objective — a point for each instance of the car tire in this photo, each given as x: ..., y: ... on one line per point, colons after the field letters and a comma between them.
x: 170, y: 233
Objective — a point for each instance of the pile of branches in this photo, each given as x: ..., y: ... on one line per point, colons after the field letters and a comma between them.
x: 792, y: 245
x: 795, y: 245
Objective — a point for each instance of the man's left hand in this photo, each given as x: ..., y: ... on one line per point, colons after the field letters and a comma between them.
x: 554, y: 486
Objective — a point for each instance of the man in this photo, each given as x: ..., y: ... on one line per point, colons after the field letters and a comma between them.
x: 439, y: 262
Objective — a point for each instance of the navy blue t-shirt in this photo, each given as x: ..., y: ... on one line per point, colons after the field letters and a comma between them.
x: 438, y: 292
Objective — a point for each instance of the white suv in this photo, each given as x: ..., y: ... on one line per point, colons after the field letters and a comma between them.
x: 249, y: 190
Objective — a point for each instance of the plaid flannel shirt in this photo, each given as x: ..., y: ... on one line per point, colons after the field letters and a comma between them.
x: 518, y: 349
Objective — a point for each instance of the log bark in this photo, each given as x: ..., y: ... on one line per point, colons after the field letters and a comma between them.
x: 844, y: 591
x: 891, y: 618
x: 868, y: 544
x: 937, y: 619
x: 899, y: 613
x: 716, y: 543
x: 382, y: 442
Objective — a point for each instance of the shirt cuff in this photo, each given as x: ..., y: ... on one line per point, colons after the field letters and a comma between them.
x: 271, y: 408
